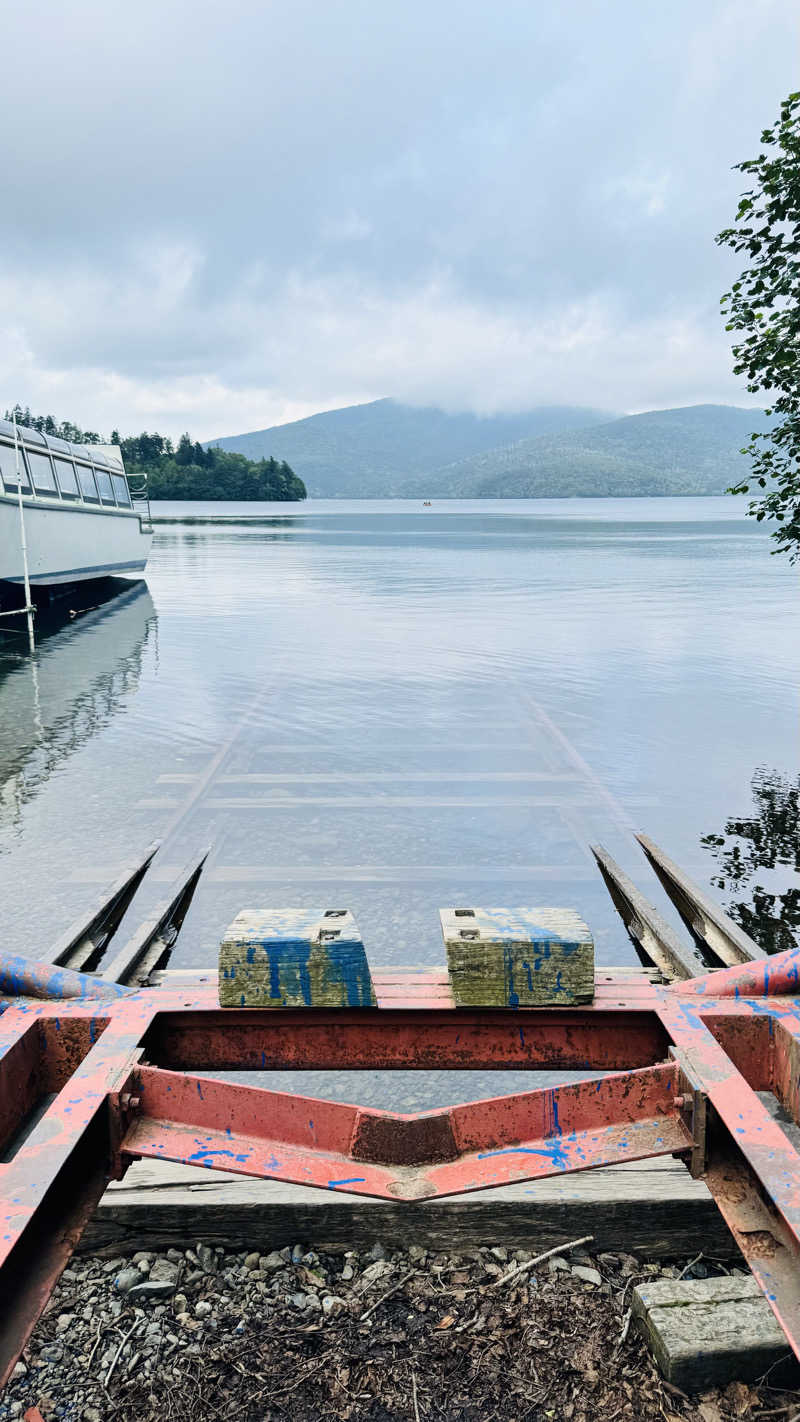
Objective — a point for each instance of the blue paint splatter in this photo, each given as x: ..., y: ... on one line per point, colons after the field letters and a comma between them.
x: 205, y: 1155
x: 556, y: 1153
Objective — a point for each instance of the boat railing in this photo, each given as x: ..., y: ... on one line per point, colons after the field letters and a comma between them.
x: 140, y: 495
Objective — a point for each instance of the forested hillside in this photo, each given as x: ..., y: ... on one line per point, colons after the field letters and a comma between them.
x: 371, y: 451
x: 694, y: 450
x: 192, y: 472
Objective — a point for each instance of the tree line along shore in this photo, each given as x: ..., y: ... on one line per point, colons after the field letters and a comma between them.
x: 185, y: 470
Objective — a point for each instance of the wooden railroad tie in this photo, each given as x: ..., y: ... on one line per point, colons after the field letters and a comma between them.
x: 521, y: 957
x: 496, y: 957
x: 294, y: 958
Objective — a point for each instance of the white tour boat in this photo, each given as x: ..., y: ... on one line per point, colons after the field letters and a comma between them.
x: 79, y: 515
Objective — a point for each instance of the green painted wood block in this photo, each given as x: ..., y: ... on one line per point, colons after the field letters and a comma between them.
x: 294, y: 958
x: 522, y: 957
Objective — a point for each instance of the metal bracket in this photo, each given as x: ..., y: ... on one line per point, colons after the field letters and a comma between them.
x: 692, y: 1104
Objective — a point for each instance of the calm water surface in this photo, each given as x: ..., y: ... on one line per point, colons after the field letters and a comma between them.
x: 392, y: 708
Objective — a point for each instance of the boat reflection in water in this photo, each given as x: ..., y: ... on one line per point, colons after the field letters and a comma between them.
x: 88, y: 660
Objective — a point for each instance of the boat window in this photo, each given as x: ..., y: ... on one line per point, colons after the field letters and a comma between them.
x: 61, y: 446
x: 44, y: 480
x: 121, y: 490
x: 104, y: 485
x: 8, y: 469
x: 88, y: 486
x: 67, y: 482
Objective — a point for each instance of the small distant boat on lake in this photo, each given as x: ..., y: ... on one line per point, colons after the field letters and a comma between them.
x: 82, y: 519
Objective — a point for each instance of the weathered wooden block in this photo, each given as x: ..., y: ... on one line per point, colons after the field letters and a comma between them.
x: 294, y: 958
x: 709, y: 1332
x: 523, y: 957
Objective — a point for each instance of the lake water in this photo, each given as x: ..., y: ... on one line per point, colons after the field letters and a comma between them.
x: 393, y: 708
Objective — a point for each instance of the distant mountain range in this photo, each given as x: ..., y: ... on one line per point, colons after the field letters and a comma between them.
x: 374, y: 451
x: 386, y: 449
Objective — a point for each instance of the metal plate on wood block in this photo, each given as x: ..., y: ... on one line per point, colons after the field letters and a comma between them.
x: 522, y: 957
x: 709, y: 1332
x: 294, y: 958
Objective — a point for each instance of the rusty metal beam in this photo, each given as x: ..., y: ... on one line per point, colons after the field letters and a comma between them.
x: 83, y: 944
x: 720, y: 941
x: 656, y: 944
x: 52, y: 1182
x: 750, y: 1166
x: 250, y: 1131
x: 778, y: 976
x: 426, y: 1037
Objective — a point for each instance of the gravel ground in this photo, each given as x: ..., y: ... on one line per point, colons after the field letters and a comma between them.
x: 375, y: 1336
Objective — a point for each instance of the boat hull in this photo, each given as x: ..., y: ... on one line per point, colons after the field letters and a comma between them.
x: 71, y: 543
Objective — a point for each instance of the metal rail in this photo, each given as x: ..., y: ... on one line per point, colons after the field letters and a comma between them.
x: 117, y: 1073
x: 82, y: 946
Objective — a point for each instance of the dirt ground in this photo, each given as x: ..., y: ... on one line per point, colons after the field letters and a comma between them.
x: 372, y: 1337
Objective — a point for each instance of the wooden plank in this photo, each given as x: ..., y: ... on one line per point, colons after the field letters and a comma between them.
x: 652, y: 1207
x: 518, y: 957
x: 709, y: 1332
x: 655, y: 942
x: 720, y: 940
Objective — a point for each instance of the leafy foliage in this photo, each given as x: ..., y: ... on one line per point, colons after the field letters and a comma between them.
x: 186, y: 472
x: 768, y: 839
x: 47, y: 425
x: 764, y: 306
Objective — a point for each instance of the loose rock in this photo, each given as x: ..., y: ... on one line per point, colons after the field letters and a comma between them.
x: 152, y: 1289
x: 590, y: 1276
x: 126, y: 1280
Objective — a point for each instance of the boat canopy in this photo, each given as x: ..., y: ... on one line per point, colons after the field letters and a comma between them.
x: 53, y: 468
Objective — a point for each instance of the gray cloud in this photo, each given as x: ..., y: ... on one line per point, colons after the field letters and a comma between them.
x: 221, y: 217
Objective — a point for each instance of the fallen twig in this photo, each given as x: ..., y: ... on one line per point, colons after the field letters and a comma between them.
x: 626, y: 1323
x: 118, y: 1353
x: 691, y: 1265
x: 388, y: 1295
x: 540, y: 1258
x: 98, y: 1335
x: 414, y: 1395
x: 281, y: 1391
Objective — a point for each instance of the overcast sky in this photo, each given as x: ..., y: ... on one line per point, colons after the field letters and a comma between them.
x: 224, y: 216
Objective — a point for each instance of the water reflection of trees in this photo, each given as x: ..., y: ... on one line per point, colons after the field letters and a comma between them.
x: 769, y: 839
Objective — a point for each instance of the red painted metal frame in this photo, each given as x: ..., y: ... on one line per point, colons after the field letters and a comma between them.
x: 89, y: 1083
